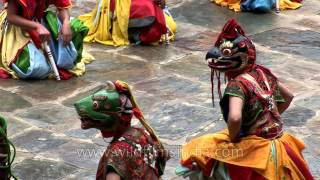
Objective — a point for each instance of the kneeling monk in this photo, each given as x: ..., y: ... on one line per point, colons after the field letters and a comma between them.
x: 134, y: 153
x: 119, y: 22
x: 26, y: 26
x: 255, y: 145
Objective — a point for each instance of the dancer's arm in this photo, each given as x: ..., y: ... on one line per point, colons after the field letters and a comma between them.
x: 65, y: 29
x: 235, y: 117
x: 287, y: 95
x: 14, y: 18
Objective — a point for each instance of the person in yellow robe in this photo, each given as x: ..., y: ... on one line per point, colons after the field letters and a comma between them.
x: 121, y: 22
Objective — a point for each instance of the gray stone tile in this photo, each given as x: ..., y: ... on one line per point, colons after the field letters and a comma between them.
x: 170, y: 86
x: 192, y: 66
x: 51, y: 116
x: 309, y: 23
x: 209, y: 15
x: 114, y: 67
x: 46, y: 90
x: 78, y: 154
x: 312, y: 102
x: 173, y: 120
x: 82, y: 134
x: 295, y: 42
x: 36, y: 141
x: 11, y: 101
x: 16, y: 126
x: 41, y: 169
x: 155, y: 54
x: 272, y: 59
x: 199, y: 41
x: 297, y: 116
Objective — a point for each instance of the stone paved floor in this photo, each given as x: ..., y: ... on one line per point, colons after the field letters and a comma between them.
x: 171, y: 85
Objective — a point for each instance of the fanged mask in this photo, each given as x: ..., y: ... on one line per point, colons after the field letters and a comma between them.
x: 233, y: 52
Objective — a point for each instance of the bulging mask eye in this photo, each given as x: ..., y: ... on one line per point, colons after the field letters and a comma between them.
x: 95, y: 105
x: 227, y: 52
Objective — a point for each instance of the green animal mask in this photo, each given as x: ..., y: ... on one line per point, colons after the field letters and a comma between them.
x: 103, y: 106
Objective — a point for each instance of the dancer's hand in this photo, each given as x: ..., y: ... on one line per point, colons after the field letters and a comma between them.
x: 43, y: 32
x: 66, y: 32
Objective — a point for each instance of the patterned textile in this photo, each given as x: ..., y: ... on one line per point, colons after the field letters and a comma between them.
x: 254, y: 120
x: 133, y: 156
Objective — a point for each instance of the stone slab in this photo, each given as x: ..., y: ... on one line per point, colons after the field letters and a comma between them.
x: 170, y: 86
x: 199, y: 41
x: 114, y: 67
x: 155, y: 54
x: 297, y: 116
x: 212, y: 16
x: 40, y: 169
x: 192, y: 66
x: 82, y: 155
x: 292, y: 41
x: 51, y: 116
x: 16, y: 126
x: 48, y: 90
x: 82, y: 134
x: 36, y: 141
x: 173, y: 120
x: 312, y: 102
x: 12, y: 101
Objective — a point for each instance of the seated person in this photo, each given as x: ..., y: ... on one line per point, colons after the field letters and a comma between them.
x: 134, y: 153
x: 26, y: 26
x: 255, y: 145
x: 258, y: 5
x: 115, y: 22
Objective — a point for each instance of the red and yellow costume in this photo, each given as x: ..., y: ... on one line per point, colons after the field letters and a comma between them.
x: 264, y: 150
x: 20, y: 50
x: 117, y: 22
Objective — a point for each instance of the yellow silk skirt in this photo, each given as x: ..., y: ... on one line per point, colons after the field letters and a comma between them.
x: 266, y: 157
